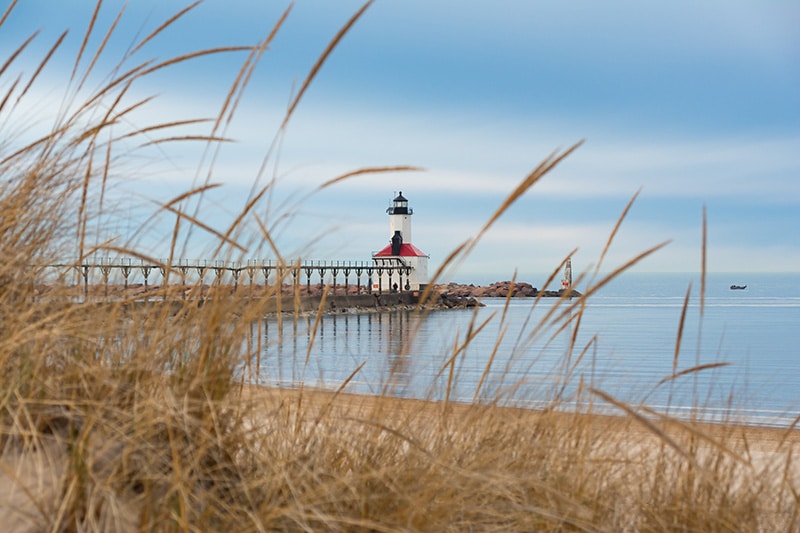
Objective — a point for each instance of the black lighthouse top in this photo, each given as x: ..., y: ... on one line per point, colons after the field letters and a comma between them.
x: 400, y: 206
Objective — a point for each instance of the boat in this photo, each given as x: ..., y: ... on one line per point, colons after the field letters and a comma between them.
x: 738, y: 287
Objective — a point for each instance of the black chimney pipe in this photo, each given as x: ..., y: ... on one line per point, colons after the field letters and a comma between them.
x: 397, y: 242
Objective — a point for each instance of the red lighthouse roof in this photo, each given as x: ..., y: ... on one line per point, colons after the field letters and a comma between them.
x: 406, y: 250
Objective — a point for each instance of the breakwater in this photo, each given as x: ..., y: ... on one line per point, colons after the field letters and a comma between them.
x: 499, y: 289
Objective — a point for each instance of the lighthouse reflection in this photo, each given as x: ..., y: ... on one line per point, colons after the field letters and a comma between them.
x: 325, y: 351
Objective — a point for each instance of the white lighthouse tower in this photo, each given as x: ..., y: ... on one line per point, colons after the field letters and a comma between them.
x: 402, y: 265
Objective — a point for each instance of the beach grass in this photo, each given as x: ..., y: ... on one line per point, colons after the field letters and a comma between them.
x: 123, y: 417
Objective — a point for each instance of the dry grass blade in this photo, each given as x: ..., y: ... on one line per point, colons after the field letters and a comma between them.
x: 267, y: 235
x: 126, y: 251
x: 558, y: 269
x: 691, y: 429
x: 567, y: 375
x: 647, y: 423
x: 91, y: 132
x: 178, y: 199
x: 189, y: 56
x: 21, y: 485
x: 7, y: 12
x: 594, y: 288
x: 202, y: 225
x: 681, y: 324
x: 115, y: 118
x: 458, y: 349
x: 164, y: 25
x: 703, y: 264
x: 41, y: 66
x: 10, y: 91
x: 106, y: 170
x: 466, y: 248
x: 368, y: 170
x: 448, y: 261
x: 17, y: 52
x: 203, y: 138
x: 343, y: 385
x: 786, y: 434
x: 230, y: 105
x: 382, y: 426
x: 616, y: 229
x: 154, y: 127
x: 243, y: 214
x: 321, y: 61
x: 500, y: 336
x: 86, y: 36
x: 692, y: 370
x: 82, y: 218
x: 124, y: 79
x: 100, y: 48
x: 190, y: 193
x: 566, y: 319
x: 252, y: 61
x: 544, y: 321
x: 317, y: 320
x: 539, y: 172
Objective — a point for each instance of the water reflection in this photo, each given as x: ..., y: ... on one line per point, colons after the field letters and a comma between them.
x: 326, y: 351
x: 407, y: 354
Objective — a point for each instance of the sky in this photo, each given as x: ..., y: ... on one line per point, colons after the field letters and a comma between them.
x: 693, y: 105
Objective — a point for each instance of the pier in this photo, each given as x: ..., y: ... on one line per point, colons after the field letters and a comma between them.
x: 366, y: 277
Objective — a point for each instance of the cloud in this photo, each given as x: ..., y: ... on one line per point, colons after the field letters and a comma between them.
x: 701, y: 168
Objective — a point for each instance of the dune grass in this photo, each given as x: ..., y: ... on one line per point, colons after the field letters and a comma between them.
x: 129, y: 418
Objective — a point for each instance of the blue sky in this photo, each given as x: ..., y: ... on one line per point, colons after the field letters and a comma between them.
x: 695, y: 103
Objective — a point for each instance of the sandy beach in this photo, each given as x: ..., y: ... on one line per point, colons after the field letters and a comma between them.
x: 353, y: 406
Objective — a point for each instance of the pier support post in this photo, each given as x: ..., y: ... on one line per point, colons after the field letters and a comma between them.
x: 266, y: 270
x: 236, y: 272
x: 126, y: 271
x: 105, y: 270
x: 145, y: 272
x: 309, y: 271
x: 335, y: 273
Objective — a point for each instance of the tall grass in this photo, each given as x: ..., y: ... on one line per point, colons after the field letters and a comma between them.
x: 123, y: 417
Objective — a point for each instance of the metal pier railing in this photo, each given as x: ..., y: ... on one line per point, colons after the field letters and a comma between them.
x: 127, y: 271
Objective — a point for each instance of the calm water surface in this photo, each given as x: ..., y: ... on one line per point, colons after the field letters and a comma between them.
x: 624, y: 345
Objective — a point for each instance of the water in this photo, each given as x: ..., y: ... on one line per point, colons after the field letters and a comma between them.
x: 624, y: 346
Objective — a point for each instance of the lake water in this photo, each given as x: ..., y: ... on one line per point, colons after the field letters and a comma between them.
x: 624, y: 345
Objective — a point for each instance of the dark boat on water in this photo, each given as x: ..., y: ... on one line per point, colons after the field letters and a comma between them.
x: 738, y: 287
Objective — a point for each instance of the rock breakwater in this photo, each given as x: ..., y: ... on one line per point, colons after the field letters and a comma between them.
x: 469, y: 295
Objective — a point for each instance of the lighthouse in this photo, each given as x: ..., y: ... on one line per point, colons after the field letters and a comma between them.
x: 566, y: 282
x: 400, y: 266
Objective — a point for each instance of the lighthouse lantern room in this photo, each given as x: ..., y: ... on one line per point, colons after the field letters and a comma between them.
x: 403, y: 265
